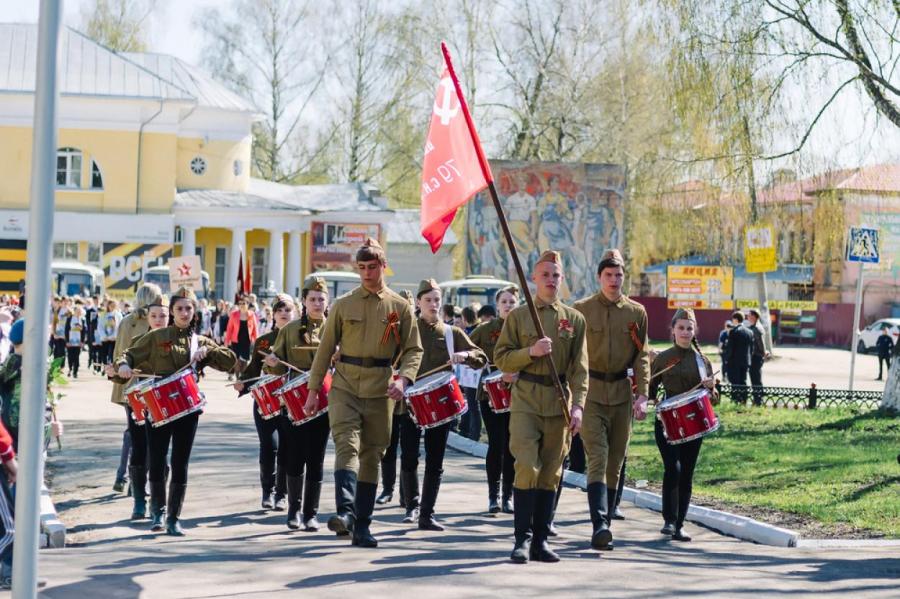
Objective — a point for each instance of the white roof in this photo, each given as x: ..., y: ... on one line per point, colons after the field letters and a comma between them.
x: 406, y: 228
x: 321, y: 198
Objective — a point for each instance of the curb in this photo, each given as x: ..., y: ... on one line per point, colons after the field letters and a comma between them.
x: 53, y: 532
x: 741, y: 527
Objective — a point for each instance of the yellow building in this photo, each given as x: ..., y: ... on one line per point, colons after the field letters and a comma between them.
x: 154, y: 161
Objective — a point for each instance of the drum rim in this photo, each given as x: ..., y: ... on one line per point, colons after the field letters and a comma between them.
x: 429, y: 383
x: 199, y: 407
x: 138, y: 384
x: 440, y: 422
x: 267, y: 378
x: 173, y: 377
x: 695, y: 436
x: 675, y: 402
x: 297, y: 381
x: 309, y: 418
x: 492, y: 377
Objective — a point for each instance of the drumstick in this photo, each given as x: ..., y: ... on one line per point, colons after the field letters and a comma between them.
x: 432, y: 371
x: 282, y: 362
x: 305, y: 347
x: 656, y: 374
x: 697, y: 386
x: 245, y: 381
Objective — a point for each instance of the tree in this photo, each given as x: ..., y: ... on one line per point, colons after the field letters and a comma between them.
x: 117, y: 24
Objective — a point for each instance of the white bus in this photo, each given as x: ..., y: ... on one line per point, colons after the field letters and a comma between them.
x: 159, y: 275
x: 70, y: 277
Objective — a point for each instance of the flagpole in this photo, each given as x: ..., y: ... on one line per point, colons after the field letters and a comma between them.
x: 486, y: 170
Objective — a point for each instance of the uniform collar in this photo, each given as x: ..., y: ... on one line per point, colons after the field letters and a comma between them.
x: 366, y: 293
x: 539, y: 303
x: 185, y: 332
x: 436, y: 326
x: 605, y: 301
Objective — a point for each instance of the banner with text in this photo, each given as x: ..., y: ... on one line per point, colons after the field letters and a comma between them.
x: 700, y: 287
x: 124, y: 265
x: 334, y: 245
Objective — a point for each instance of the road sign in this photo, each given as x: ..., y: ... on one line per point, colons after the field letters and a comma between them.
x: 862, y: 245
x: 759, y: 249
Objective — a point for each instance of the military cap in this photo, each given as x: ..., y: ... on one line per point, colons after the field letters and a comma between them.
x: 315, y: 283
x: 611, y: 258
x: 407, y: 295
x: 372, y: 243
x: 184, y: 293
x: 550, y: 256
x: 684, y: 314
x: 160, y: 300
x: 284, y: 298
x: 426, y: 285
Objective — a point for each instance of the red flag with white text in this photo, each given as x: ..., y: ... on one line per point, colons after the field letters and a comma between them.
x: 451, y: 170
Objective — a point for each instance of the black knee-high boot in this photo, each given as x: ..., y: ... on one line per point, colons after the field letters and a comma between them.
x: 157, y: 505
x: 409, y: 481
x: 365, y: 504
x: 311, y: 505
x: 524, y: 514
x: 544, y: 504
x: 295, y: 490
x: 139, y: 488
x: 599, y: 507
x: 176, y: 500
x: 345, y: 489
x: 431, y: 485
x: 388, y: 478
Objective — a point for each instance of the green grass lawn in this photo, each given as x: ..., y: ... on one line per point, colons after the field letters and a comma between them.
x: 837, y: 466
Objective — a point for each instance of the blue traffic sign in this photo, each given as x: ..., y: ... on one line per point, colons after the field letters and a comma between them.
x: 862, y: 246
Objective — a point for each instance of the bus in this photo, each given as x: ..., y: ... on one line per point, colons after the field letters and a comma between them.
x: 474, y: 289
x: 70, y: 277
x: 159, y: 275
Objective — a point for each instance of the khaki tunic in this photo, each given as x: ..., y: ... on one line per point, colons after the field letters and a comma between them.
x: 684, y: 374
x: 166, y: 350
x: 538, y: 437
x: 606, y: 429
x: 255, y: 366
x: 293, y: 342
x: 486, y: 335
x: 131, y: 326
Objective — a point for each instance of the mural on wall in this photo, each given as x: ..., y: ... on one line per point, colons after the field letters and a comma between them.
x: 577, y: 208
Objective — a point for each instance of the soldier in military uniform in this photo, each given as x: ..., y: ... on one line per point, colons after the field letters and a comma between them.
x: 305, y: 443
x: 163, y: 352
x: 436, y: 355
x: 617, y: 341
x: 271, y: 432
x: 538, y: 437
x: 498, y: 462
x: 371, y: 324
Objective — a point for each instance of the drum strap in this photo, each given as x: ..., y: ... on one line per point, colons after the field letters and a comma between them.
x: 701, y: 366
x: 448, y: 339
x: 195, y: 345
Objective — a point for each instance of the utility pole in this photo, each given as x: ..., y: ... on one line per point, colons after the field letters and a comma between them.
x: 761, y: 285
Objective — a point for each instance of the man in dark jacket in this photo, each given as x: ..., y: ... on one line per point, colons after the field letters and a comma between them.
x: 758, y: 355
x: 738, y: 352
x: 884, y: 345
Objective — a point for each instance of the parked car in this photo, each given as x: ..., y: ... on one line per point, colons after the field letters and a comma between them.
x: 479, y: 289
x: 869, y: 335
x: 339, y: 281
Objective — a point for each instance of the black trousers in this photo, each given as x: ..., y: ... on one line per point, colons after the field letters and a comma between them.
x: 59, y: 348
x: 678, y: 475
x: 470, y: 422
x: 95, y: 355
x: 139, y: 440
x: 499, y: 461
x: 106, y: 352
x: 272, y: 446
x: 435, y: 446
x: 884, y: 360
x: 737, y: 375
x: 756, y: 364
x: 305, y: 448
x: 181, y: 435
x: 389, y: 461
x: 73, y: 356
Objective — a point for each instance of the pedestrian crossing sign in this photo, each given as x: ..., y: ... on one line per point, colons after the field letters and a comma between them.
x: 862, y: 245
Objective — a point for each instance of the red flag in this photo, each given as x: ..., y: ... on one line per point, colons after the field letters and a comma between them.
x: 248, y: 278
x: 240, y: 277
x: 454, y: 168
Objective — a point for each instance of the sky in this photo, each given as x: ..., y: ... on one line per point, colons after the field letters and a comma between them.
x: 849, y: 134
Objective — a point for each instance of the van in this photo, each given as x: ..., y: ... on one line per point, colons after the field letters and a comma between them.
x: 480, y: 289
x: 159, y: 275
x: 339, y: 281
x: 70, y: 277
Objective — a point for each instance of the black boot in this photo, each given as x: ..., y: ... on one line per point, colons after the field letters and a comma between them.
x: 139, y: 484
x: 344, y: 496
x: 551, y: 529
x: 176, y: 500
x: 544, y: 502
x: 679, y: 534
x: 365, y: 503
x: 598, y: 508
x: 410, y: 484
x: 430, y: 488
x: 388, y: 478
x: 157, y: 505
x: 280, y: 488
x: 524, y: 512
x: 507, y: 505
x: 267, y: 483
x: 311, y: 505
x: 402, y: 493
x: 295, y: 490
x: 494, y: 497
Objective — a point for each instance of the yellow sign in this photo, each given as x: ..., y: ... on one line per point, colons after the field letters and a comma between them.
x: 759, y: 249
x: 792, y: 305
x: 700, y: 287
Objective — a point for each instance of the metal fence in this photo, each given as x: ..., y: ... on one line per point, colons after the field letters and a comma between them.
x: 809, y: 398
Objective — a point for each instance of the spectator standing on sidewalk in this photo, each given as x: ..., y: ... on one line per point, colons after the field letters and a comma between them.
x: 884, y: 345
x: 758, y: 355
x: 737, y: 354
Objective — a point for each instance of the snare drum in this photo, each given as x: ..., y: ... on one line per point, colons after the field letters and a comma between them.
x: 294, y: 393
x: 498, y: 392
x: 687, y: 416
x: 435, y: 400
x: 173, y: 397
x: 265, y: 393
x: 134, y: 395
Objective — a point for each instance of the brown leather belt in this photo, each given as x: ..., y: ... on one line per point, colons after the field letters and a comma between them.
x: 366, y: 362
x: 541, y: 379
x: 609, y: 377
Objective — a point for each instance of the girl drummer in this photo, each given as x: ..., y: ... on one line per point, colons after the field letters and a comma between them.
x: 164, y: 352
x: 296, y: 345
x: 688, y: 369
x: 436, y: 357
x: 498, y: 461
x: 272, y: 431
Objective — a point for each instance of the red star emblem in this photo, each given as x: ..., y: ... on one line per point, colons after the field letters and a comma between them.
x: 184, y: 269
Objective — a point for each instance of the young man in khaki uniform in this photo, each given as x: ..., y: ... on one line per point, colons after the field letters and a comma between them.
x: 538, y: 437
x: 371, y: 324
x: 616, y: 341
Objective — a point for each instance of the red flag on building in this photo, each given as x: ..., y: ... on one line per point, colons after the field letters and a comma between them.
x: 248, y: 278
x: 240, y: 277
x: 454, y: 168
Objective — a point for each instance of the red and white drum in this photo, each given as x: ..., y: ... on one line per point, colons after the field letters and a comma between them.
x: 294, y: 394
x: 134, y: 397
x: 265, y: 393
x: 498, y: 392
x: 173, y: 397
x: 687, y: 416
x: 435, y: 400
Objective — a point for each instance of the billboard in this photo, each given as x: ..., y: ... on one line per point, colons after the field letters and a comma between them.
x: 577, y: 208
x: 700, y: 287
x: 124, y: 265
x: 334, y: 245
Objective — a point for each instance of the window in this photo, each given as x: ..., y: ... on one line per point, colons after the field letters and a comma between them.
x: 198, y: 251
x: 198, y: 165
x: 68, y: 168
x: 65, y: 250
x: 220, y: 269
x: 258, y: 269
x: 179, y: 235
x: 96, y: 176
x: 94, y: 252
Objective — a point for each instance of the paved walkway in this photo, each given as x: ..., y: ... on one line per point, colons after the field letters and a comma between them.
x: 235, y: 549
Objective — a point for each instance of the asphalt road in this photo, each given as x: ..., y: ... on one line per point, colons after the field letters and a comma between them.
x: 233, y: 549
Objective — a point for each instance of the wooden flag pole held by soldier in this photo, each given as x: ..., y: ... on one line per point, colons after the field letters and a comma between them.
x: 563, y: 398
